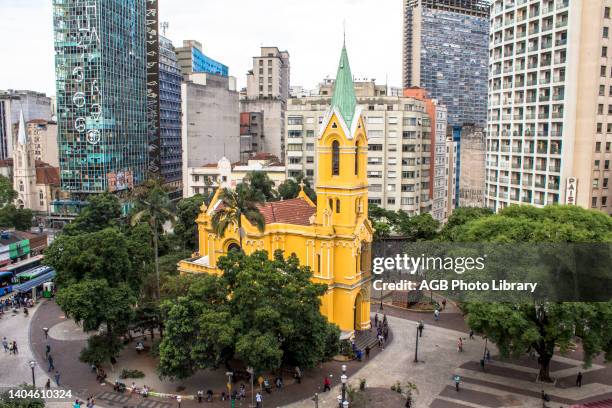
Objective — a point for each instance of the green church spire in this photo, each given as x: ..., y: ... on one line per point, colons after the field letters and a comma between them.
x: 344, y: 93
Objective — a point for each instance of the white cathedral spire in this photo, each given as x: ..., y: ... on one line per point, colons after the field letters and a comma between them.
x: 22, y: 138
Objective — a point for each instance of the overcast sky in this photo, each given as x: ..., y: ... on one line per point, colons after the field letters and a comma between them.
x: 231, y: 31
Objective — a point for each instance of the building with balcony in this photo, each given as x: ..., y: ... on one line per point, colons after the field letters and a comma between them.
x: 401, y: 150
x: 549, y: 132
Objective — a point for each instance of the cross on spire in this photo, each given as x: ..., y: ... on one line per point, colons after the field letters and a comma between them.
x: 301, y: 185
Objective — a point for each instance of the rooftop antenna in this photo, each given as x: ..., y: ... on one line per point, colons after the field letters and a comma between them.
x: 164, y: 26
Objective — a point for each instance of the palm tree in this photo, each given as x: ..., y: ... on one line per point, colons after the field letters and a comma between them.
x: 237, y: 203
x: 155, y: 208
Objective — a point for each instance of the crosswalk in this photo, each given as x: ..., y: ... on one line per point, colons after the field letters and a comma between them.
x: 114, y: 399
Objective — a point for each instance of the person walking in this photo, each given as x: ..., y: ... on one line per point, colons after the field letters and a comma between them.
x: 384, y: 320
x: 50, y: 361
x: 57, y: 377
x: 200, y: 396
x: 471, y: 334
x: 326, y: 384
x: 258, y: 400
x: 376, y: 320
x: 367, y: 352
x: 5, y: 344
x: 10, y: 347
x: 436, y: 315
x: 46, y: 331
x: 460, y: 345
x: 488, y: 355
x: 457, y: 380
x: 579, y: 379
x: 47, y: 350
x: 420, y: 328
x: 298, y: 375
x: 15, y: 349
x: 48, y: 384
x: 443, y: 304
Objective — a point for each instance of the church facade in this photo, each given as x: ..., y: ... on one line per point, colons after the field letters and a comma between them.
x: 333, y: 237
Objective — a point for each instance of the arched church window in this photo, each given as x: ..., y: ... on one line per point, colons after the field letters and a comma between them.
x: 331, y: 204
x: 335, y: 158
x: 337, y: 205
x: 357, y: 158
x: 20, y: 185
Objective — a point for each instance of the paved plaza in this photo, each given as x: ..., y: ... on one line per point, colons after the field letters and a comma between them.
x: 501, y: 384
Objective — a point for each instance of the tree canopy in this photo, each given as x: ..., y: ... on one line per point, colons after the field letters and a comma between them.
x: 290, y: 188
x: 264, y: 311
x: 186, y: 229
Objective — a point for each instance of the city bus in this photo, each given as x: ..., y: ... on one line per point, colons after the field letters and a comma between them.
x: 6, y: 283
x: 32, y: 274
x: 23, y: 266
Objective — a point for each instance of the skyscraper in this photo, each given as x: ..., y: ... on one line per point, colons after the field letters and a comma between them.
x: 100, y: 68
x: 446, y: 52
x: 549, y: 132
x: 170, y: 117
x: 191, y: 59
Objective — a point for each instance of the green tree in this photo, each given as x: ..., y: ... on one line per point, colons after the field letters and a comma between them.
x: 18, y: 218
x: 519, y: 328
x: 95, y: 304
x: 261, y: 184
x: 186, y: 229
x: 290, y: 188
x: 235, y: 204
x: 265, y: 312
x: 107, y: 254
x: 7, y: 193
x: 155, y: 209
x: 460, y: 217
x: 102, y: 211
x: 420, y: 227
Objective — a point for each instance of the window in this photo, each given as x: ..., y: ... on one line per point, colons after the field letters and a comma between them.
x: 375, y: 188
x: 604, y: 201
x: 391, y: 201
x: 594, y: 202
x: 357, y: 158
x: 319, y: 263
x: 605, y: 32
x: 375, y: 147
x: 598, y: 147
x: 20, y: 185
x: 606, y: 164
x: 606, y: 12
x: 600, y: 109
x: 599, y: 128
x: 602, y: 70
x: 604, y: 52
x: 335, y: 158
x: 596, y: 165
x: 309, y: 159
x: 337, y: 205
x: 602, y: 90
x: 310, y: 133
x: 295, y: 133
x: 376, y: 120
x: 607, y: 147
x: 309, y: 147
x: 196, y: 178
x: 596, y: 183
x: 294, y: 120
x: 605, y: 183
x: 309, y: 172
x: 609, y: 128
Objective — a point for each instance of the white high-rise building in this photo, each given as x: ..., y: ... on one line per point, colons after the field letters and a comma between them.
x: 549, y: 129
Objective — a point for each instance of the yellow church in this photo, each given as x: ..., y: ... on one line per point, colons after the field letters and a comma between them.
x: 333, y: 237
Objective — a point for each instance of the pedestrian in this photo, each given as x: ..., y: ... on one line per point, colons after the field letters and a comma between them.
x: 376, y: 320
x: 57, y: 377
x: 384, y: 320
x: 298, y: 375
x: 50, y: 361
x: 367, y: 352
x: 46, y: 331
x: 420, y: 328
x: 436, y: 315
x: 457, y: 380
x: 200, y: 396
x: 386, y: 333
x: 47, y: 350
x: 460, y: 345
x: 15, y: 349
x: 48, y: 384
x: 5, y: 344
x: 471, y: 334
x: 326, y: 384
x: 133, y: 390
x: 10, y: 347
x: 258, y: 399
x: 579, y: 379
x: 443, y: 304
x: 488, y: 355
x: 381, y: 341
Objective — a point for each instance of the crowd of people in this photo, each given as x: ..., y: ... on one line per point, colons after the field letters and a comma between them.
x: 15, y: 303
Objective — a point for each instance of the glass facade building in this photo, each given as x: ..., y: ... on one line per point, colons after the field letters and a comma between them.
x: 100, y: 68
x: 170, y: 112
x: 446, y: 51
x: 202, y: 63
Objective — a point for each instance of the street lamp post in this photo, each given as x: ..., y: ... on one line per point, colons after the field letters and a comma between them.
x: 416, y: 345
x: 32, y: 366
x: 343, y: 403
x: 179, y: 399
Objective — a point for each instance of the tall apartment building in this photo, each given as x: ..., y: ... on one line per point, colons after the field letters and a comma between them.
x: 170, y: 153
x: 251, y: 134
x: 34, y: 105
x: 210, y: 121
x: 192, y: 59
x: 470, y: 147
x: 445, y: 51
x: 400, y: 165
x: 267, y: 91
x: 101, y: 80
x: 550, y: 99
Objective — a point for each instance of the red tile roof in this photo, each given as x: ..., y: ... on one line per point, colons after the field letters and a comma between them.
x: 47, y: 174
x: 294, y: 211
